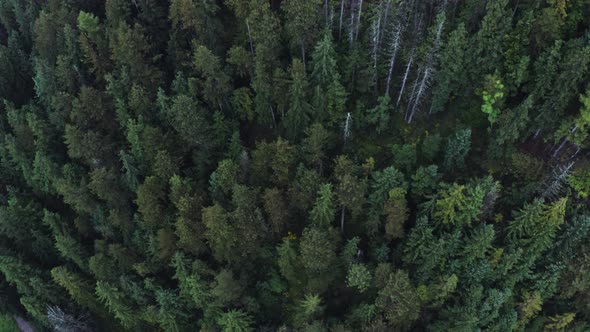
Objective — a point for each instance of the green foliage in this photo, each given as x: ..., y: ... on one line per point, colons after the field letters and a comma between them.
x: 150, y: 201
x: 235, y: 321
x: 215, y: 84
x: 223, y: 180
x: 200, y: 165
x: 299, y: 115
x: 323, y: 211
x: 404, y: 156
x: 219, y: 233
x: 457, y: 148
x: 580, y: 181
x: 88, y: 23
x: 536, y: 224
x: 329, y: 94
x: 396, y: 212
x: 425, y: 181
x: 529, y: 307
x: 311, y: 307
x: 379, y: 115
x: 188, y: 119
x: 492, y: 98
x: 452, y: 78
x: 559, y: 322
x: 431, y: 146
x: 358, y: 277
x: 318, y: 256
x: 115, y: 300
x: 79, y: 289
x: 316, y: 145
x: 398, y: 301
x: 8, y: 324
x: 274, y: 158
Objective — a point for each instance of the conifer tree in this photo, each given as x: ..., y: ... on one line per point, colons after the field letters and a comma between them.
x: 299, y: 113
x: 329, y: 96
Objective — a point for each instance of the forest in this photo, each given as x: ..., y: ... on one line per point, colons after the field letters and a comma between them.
x: 294, y: 165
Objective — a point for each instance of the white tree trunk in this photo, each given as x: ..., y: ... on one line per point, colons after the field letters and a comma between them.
x: 347, y: 125
x: 375, y: 38
x: 419, y: 93
x: 565, y: 140
x: 412, y: 94
x: 351, y: 28
x: 394, y: 48
x: 358, y: 20
x: 250, y: 36
x: 385, y: 17
x: 407, y: 73
x: 341, y: 15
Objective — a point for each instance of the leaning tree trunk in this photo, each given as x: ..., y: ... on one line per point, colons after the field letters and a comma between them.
x: 394, y: 48
x: 412, y: 94
x: 420, y: 93
x: 358, y: 20
x: 407, y: 73
x: 565, y: 140
x: 249, y: 36
x: 341, y: 15
x: 351, y: 28
x: 376, y: 44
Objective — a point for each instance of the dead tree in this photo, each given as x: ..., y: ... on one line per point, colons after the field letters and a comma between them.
x: 555, y: 183
x: 406, y: 74
x: 429, y: 69
x: 395, y: 44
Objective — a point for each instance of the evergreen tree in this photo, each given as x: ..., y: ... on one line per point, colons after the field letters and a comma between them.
x: 398, y: 301
x: 299, y: 114
x: 329, y: 95
x: 457, y: 149
x: 199, y: 165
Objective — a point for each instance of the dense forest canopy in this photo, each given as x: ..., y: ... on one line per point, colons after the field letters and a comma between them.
x: 295, y: 165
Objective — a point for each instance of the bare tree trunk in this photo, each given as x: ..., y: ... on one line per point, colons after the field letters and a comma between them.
x: 347, y: 125
x: 437, y: 40
x: 375, y: 38
x: 419, y: 94
x: 394, y: 48
x: 250, y: 36
x: 341, y: 15
x: 565, y: 140
x: 274, y: 120
x: 408, y: 67
x: 412, y: 94
x: 515, y: 8
x: 556, y: 186
x: 385, y: 17
x: 575, y: 153
x: 351, y: 32
x: 554, y: 154
x: 358, y: 20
